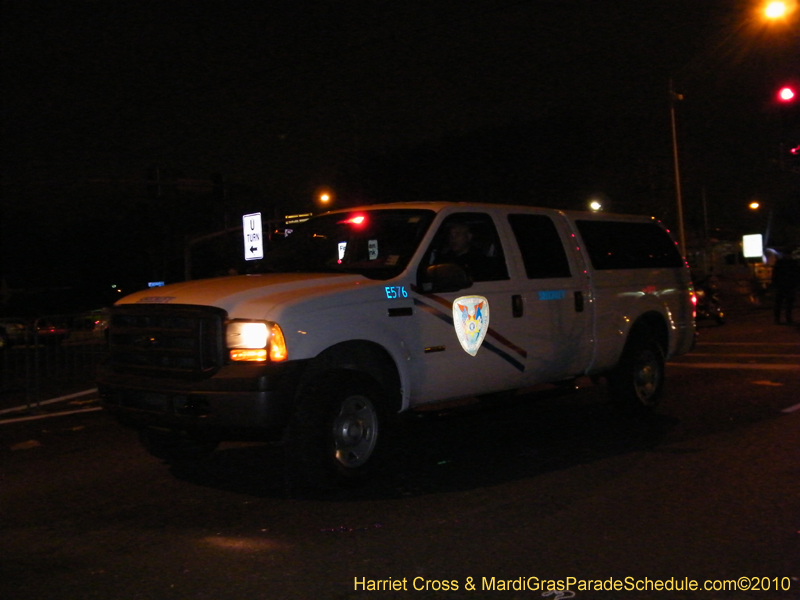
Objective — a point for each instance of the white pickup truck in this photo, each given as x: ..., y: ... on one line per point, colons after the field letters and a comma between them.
x: 367, y: 312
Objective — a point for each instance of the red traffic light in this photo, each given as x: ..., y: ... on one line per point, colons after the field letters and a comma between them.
x: 786, y: 94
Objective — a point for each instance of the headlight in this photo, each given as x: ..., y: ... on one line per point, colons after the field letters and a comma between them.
x: 255, y: 341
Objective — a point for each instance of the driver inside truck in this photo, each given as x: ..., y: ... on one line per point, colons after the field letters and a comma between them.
x: 460, y: 248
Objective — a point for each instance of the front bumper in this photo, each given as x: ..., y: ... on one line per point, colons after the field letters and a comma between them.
x: 240, y: 401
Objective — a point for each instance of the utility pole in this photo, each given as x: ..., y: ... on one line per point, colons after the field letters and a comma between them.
x: 673, y: 97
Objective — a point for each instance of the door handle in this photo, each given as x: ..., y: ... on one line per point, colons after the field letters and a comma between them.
x: 517, y: 307
x: 578, y: 301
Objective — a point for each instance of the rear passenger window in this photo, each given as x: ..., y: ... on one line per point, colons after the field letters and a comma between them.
x: 628, y: 245
x: 540, y: 245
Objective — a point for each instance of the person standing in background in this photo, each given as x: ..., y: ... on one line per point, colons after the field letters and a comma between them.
x: 785, y: 276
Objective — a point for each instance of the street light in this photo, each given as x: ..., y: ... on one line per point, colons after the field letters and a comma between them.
x: 775, y: 10
x: 324, y: 197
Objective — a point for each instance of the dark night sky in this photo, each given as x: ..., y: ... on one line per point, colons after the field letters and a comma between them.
x: 538, y: 101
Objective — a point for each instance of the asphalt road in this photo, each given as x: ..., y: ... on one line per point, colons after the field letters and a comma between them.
x: 541, y: 489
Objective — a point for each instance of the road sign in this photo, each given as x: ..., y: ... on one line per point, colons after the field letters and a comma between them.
x: 298, y: 218
x: 253, y: 239
x: 753, y: 245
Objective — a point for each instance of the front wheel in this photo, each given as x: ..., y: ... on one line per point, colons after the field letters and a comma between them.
x: 638, y: 380
x: 335, y: 436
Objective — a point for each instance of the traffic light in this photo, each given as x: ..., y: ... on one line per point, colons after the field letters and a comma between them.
x: 787, y: 94
x: 794, y: 159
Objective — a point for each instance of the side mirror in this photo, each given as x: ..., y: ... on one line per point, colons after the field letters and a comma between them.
x: 447, y: 277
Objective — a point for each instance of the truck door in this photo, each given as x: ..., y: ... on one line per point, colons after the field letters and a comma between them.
x: 554, y: 311
x: 467, y: 336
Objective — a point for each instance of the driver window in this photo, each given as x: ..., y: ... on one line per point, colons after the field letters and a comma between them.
x: 470, y: 241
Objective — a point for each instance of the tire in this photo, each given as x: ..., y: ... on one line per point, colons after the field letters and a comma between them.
x: 637, y: 382
x: 335, y: 435
x: 172, y: 446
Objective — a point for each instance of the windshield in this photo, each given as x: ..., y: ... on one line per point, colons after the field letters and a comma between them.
x: 375, y: 243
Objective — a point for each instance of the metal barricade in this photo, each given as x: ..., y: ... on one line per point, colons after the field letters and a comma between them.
x: 49, y: 356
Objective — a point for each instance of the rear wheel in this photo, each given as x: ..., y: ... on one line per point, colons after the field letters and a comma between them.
x: 335, y: 436
x: 638, y: 380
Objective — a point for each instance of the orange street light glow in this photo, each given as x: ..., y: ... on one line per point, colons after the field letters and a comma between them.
x: 775, y: 10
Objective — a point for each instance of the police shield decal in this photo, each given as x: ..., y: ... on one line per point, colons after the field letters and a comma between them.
x: 471, y: 321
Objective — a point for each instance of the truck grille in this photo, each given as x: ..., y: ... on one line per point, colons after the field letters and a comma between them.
x: 172, y: 341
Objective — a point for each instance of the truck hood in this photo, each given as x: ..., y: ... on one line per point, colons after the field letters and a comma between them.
x: 230, y: 293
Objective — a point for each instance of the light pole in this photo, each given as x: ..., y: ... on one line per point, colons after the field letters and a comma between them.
x: 755, y: 206
x: 772, y: 11
x: 673, y: 98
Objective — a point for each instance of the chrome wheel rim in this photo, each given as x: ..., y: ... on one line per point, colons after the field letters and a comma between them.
x: 355, y: 431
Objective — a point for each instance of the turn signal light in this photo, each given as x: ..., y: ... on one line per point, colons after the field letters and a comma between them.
x: 259, y: 354
x: 277, y: 345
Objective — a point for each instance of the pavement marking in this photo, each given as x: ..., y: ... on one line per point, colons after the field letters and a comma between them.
x: 746, y: 354
x: 50, y: 415
x: 791, y: 409
x: 758, y: 367
x: 795, y: 344
x: 51, y: 401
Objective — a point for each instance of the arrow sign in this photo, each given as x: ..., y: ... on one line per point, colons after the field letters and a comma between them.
x: 253, y: 239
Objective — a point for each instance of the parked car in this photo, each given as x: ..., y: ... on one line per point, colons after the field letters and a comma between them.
x: 89, y: 328
x: 13, y: 331
x: 51, y: 330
